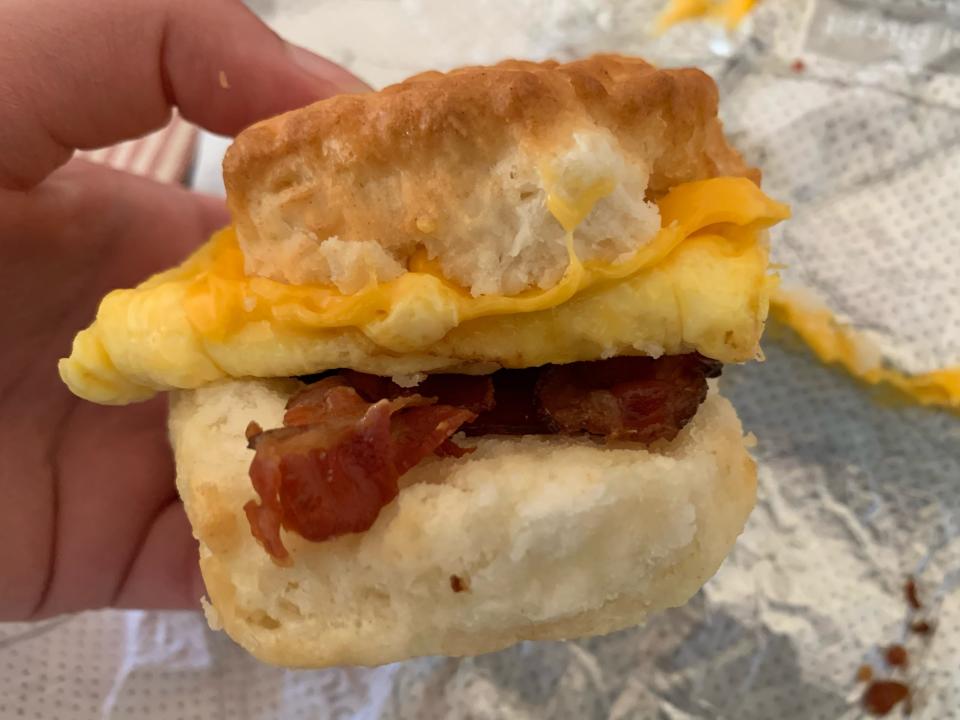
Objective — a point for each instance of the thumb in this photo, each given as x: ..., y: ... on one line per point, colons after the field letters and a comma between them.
x: 79, y: 75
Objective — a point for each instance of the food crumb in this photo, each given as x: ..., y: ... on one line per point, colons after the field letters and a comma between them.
x: 253, y: 429
x: 410, y: 380
x: 896, y: 656
x: 210, y: 612
x: 883, y: 695
x: 459, y: 584
x: 224, y: 83
x: 864, y: 673
x: 910, y: 591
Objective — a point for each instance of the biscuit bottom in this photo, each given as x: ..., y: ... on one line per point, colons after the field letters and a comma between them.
x: 530, y: 538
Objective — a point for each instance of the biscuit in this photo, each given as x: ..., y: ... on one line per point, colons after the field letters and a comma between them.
x: 527, y: 538
x: 460, y: 168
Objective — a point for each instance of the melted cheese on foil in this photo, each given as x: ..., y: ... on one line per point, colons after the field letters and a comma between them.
x: 837, y: 344
x: 700, y: 283
x: 730, y: 12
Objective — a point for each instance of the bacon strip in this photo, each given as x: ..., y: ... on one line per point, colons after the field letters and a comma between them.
x: 471, y: 392
x: 640, y: 399
x: 632, y: 398
x: 348, y: 438
x: 337, y: 461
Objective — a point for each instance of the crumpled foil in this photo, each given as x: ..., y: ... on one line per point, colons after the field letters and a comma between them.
x: 852, y: 109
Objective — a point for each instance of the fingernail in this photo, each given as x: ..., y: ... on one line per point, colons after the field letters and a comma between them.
x: 322, y: 69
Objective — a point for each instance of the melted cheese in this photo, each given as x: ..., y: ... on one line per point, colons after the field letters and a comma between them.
x: 837, y: 344
x: 571, y: 211
x: 699, y: 284
x: 419, y: 308
x: 730, y: 12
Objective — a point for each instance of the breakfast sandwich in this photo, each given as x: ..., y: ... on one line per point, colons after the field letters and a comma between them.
x: 447, y: 382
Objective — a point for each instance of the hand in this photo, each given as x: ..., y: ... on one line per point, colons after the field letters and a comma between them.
x: 89, y: 514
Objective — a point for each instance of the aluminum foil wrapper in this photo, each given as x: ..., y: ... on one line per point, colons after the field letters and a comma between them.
x: 852, y: 109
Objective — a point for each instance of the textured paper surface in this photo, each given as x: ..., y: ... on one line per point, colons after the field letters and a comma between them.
x: 855, y: 495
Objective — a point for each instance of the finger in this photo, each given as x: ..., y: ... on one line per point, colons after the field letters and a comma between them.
x: 85, y: 231
x: 114, y: 494
x: 212, y: 214
x: 87, y: 215
x: 165, y: 574
x: 78, y: 75
x: 91, y: 482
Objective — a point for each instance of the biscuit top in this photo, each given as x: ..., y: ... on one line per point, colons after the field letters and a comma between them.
x: 480, y: 172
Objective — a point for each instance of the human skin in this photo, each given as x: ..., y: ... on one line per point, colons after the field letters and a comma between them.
x: 89, y: 515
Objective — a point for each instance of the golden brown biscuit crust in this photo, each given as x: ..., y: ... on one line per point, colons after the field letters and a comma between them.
x: 398, y: 166
x: 471, y: 105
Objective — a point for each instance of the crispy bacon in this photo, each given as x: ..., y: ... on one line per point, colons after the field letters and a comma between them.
x: 471, y: 392
x: 347, y: 438
x: 633, y: 398
x: 337, y: 461
x: 640, y: 399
